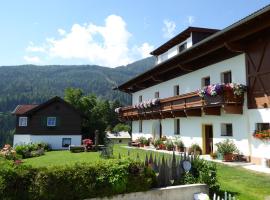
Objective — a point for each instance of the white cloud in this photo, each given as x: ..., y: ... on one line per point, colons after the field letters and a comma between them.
x: 33, y: 48
x: 32, y: 59
x: 168, y: 28
x: 106, y: 45
x: 144, y: 50
x: 190, y: 20
x: 61, y: 31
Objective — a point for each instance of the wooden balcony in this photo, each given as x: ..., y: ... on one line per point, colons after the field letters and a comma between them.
x: 186, y: 105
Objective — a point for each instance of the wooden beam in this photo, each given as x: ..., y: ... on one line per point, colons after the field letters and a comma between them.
x: 156, y: 79
x: 234, y: 47
x: 212, y: 110
x: 180, y: 113
x: 194, y: 112
x: 233, y: 109
x: 184, y: 69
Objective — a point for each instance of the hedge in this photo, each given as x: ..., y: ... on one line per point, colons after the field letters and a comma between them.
x: 80, y: 181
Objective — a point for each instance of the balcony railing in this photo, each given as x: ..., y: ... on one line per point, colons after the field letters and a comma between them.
x: 190, y: 104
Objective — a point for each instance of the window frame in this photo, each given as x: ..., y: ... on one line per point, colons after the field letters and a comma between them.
x: 176, y: 126
x: 157, y: 94
x: 261, y: 128
x: 203, y: 81
x: 176, y: 90
x: 226, y: 130
x: 182, y: 47
x: 140, y: 98
x: 48, y: 120
x: 64, y: 145
x: 223, y: 77
x: 140, y: 126
x: 21, y: 124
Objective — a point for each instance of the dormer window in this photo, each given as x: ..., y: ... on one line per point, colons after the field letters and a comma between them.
x: 182, y: 47
x: 23, y: 121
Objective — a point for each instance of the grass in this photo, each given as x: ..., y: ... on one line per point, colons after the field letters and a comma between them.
x: 245, y: 184
x: 56, y: 158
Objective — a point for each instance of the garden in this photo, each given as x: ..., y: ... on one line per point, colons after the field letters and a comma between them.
x: 87, y: 174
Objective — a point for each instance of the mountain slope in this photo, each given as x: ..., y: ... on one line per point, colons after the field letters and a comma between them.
x: 35, y: 84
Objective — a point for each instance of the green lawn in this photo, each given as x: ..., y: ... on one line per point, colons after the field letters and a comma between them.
x: 247, y: 185
x: 56, y: 158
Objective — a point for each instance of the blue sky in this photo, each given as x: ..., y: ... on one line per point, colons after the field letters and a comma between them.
x: 104, y: 32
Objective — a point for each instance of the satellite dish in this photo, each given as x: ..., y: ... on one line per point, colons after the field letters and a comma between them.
x: 186, y: 165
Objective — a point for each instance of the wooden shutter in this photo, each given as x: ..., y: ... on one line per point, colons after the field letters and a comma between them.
x: 258, y: 73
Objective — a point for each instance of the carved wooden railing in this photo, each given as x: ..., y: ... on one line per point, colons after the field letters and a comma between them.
x: 190, y: 104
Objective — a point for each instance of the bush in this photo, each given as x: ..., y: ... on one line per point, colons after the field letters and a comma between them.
x: 203, y: 171
x: 122, y: 127
x: 194, y: 148
x: 80, y: 181
x: 226, y: 147
x: 32, y: 149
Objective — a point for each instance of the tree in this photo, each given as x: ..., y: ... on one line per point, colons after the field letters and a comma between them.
x: 99, y: 113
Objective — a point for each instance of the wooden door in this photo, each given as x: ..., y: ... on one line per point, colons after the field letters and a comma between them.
x: 208, y: 139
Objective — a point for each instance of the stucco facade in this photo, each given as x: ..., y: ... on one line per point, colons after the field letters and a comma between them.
x: 191, y: 128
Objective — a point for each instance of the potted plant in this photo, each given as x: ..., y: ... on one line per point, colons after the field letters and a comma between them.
x: 213, y: 155
x: 169, y: 145
x: 142, y: 141
x: 227, y: 148
x: 179, y: 145
x: 195, y: 148
x: 157, y: 143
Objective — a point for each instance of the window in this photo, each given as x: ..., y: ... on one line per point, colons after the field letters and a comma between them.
x: 177, y: 126
x: 182, y: 47
x: 140, y: 126
x: 205, y: 81
x: 176, y: 90
x: 120, y: 141
x: 51, y: 121
x: 226, y: 130
x: 140, y: 98
x: 23, y: 121
x: 156, y: 94
x: 262, y: 126
x: 66, y: 142
x: 226, y: 77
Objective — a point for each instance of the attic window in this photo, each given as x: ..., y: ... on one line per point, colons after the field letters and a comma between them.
x: 51, y: 121
x: 182, y: 47
x: 23, y: 121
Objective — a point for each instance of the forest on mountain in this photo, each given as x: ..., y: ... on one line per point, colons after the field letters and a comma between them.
x: 31, y: 84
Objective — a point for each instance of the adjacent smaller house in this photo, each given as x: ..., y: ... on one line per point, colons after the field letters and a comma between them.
x: 119, y: 138
x: 55, y: 122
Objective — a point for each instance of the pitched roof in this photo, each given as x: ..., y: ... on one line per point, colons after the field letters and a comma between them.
x: 30, y: 109
x: 181, y: 37
x: 200, y: 54
x: 22, y: 109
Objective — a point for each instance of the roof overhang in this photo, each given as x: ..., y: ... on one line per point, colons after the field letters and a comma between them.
x: 224, y: 44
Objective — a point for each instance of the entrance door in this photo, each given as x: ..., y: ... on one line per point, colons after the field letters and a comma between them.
x: 208, y: 139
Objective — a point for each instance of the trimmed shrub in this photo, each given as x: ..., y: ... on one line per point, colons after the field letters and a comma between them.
x: 80, y: 181
x: 32, y: 149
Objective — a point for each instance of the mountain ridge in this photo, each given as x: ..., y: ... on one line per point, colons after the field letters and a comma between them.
x: 23, y: 84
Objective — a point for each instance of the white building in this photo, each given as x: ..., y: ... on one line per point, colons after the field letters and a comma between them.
x: 196, y: 58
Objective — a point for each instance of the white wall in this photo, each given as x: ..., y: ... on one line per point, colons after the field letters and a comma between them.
x: 21, y: 139
x: 173, y: 51
x: 259, y: 148
x: 192, y: 81
x: 54, y: 140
